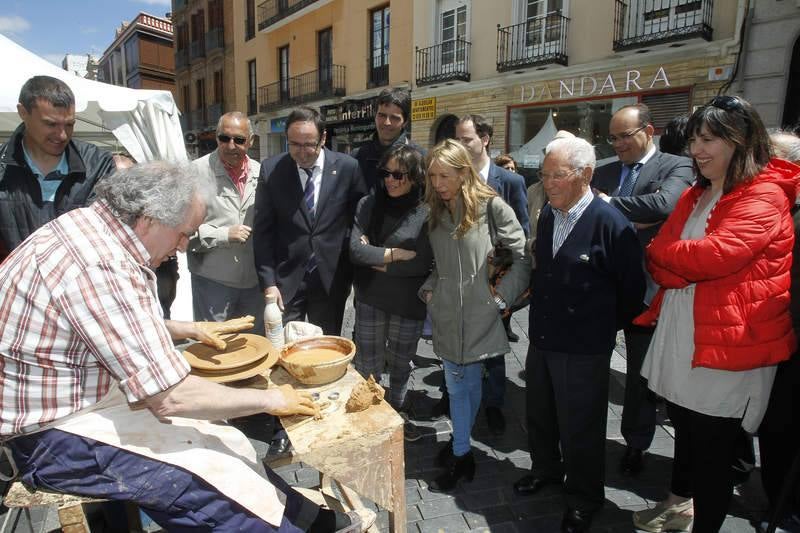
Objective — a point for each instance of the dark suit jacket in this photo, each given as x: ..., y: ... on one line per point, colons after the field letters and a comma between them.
x: 661, y: 182
x: 511, y: 188
x: 283, y: 233
x: 591, y: 288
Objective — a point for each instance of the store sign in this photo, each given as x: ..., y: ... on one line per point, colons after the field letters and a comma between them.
x: 423, y: 109
x: 350, y: 110
x: 595, y: 85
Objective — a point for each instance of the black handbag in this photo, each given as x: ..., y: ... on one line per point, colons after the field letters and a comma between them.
x: 499, y: 261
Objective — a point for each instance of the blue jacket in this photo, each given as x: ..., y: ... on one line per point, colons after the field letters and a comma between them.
x: 511, y: 188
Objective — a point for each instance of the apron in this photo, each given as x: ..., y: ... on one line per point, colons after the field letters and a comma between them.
x: 218, y: 454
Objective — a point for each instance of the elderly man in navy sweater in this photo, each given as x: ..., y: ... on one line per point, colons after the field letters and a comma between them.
x: 588, y: 284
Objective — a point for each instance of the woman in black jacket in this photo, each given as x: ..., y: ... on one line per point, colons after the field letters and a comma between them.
x: 392, y: 256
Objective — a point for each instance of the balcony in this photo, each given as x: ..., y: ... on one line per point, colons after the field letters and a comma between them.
x: 448, y: 61
x: 213, y: 112
x: 197, y: 49
x: 378, y: 76
x: 641, y: 23
x: 252, y: 104
x: 313, y: 85
x: 181, y: 58
x: 538, y: 41
x: 215, y: 40
x: 272, y: 11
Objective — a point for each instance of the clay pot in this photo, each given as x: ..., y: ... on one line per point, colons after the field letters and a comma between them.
x: 318, y: 360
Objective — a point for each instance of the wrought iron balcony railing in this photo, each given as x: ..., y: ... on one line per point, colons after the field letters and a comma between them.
x: 181, y: 58
x: 447, y: 61
x: 639, y: 23
x: 272, y: 11
x: 252, y: 104
x: 197, y: 49
x: 215, y: 39
x: 378, y: 76
x: 313, y: 85
x: 537, y: 41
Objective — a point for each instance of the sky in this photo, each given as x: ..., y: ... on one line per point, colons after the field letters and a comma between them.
x: 54, y: 28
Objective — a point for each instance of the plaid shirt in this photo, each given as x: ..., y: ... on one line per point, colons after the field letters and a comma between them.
x: 79, y: 310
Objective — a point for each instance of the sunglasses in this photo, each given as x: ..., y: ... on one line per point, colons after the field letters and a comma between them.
x: 395, y: 174
x: 225, y: 139
x: 726, y: 103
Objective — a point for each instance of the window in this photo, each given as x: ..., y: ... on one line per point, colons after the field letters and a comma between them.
x: 379, y: 47
x: 283, y: 71
x: 542, y: 22
x: 200, y: 93
x: 250, y: 20
x: 252, y: 87
x: 185, y: 99
x: 453, y: 33
x: 131, y: 54
x: 325, y: 60
x: 218, y: 87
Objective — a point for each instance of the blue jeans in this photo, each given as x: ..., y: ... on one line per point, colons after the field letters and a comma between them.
x: 464, y: 386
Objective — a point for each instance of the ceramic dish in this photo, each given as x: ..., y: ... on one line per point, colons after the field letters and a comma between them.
x: 243, y: 349
x: 318, y: 360
x: 238, y: 374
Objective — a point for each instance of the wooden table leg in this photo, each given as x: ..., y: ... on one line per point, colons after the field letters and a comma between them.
x: 397, y: 515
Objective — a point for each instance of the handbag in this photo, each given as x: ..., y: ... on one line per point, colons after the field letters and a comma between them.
x: 499, y: 261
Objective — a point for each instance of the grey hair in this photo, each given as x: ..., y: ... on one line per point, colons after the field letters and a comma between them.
x: 785, y: 145
x: 236, y: 115
x: 161, y: 190
x: 580, y: 154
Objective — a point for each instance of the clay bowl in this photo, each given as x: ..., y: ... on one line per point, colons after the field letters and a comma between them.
x: 318, y: 360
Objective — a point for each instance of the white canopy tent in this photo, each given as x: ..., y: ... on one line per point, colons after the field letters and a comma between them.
x: 144, y: 122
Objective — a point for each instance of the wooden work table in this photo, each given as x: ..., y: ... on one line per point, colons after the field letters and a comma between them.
x: 364, y: 450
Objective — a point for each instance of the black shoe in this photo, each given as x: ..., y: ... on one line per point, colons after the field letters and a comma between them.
x: 279, y: 446
x: 442, y: 407
x: 576, y: 521
x: 458, y: 467
x: 531, y: 484
x: 496, y: 420
x: 512, y: 337
x: 444, y: 455
x: 632, y: 462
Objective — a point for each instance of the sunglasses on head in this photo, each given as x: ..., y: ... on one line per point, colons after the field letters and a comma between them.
x: 225, y: 139
x: 395, y: 174
x: 726, y: 103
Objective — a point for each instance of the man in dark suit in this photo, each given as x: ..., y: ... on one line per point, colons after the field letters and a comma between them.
x: 644, y: 185
x: 588, y: 283
x: 475, y: 133
x: 305, y: 201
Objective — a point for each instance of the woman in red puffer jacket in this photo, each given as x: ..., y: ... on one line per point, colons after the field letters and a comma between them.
x: 722, y: 260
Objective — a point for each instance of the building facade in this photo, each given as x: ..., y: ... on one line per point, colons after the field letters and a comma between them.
x: 768, y: 73
x: 141, y: 55
x: 536, y: 66
x: 332, y: 54
x: 204, y: 68
x: 83, y: 65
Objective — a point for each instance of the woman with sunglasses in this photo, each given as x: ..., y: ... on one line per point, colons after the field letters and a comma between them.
x: 466, y: 315
x: 392, y: 256
x: 722, y: 260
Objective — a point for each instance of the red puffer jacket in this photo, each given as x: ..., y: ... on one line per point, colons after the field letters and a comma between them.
x: 741, y: 268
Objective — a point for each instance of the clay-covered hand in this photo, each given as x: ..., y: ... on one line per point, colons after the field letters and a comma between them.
x: 210, y: 332
x: 292, y: 402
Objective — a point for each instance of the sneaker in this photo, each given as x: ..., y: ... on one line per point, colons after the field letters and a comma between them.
x: 411, y: 432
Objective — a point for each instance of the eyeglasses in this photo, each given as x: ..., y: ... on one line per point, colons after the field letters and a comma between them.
x: 624, y: 136
x: 726, y: 103
x: 225, y: 139
x: 396, y: 174
x: 560, y: 176
x: 303, y: 146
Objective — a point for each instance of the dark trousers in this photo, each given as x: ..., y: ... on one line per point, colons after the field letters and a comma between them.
x: 494, y: 385
x: 705, y: 447
x: 177, y: 500
x: 777, y: 436
x: 314, y: 304
x: 567, y: 403
x: 639, y: 406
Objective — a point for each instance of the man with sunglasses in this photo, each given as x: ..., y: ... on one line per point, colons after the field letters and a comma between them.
x: 220, y: 254
x: 644, y: 185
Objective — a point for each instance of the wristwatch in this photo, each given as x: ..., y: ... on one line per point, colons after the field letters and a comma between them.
x: 501, y: 304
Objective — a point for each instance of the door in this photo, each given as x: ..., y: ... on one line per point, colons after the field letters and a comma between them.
x: 543, y: 26
x: 283, y: 73
x: 325, y: 60
x: 652, y: 17
x: 453, y: 35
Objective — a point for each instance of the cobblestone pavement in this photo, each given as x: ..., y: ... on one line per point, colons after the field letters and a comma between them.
x: 488, y: 503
